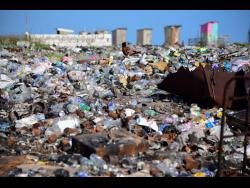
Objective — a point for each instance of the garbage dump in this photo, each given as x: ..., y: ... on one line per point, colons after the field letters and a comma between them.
x: 207, y: 84
x: 109, y: 112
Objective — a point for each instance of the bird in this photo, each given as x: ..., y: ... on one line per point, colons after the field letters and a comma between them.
x: 128, y: 50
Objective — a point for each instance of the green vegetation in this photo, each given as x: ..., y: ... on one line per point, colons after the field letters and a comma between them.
x: 54, y: 55
x: 10, y: 41
x: 242, y: 44
x: 40, y: 46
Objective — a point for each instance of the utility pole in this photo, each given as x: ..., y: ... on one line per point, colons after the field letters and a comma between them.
x: 26, y: 23
x: 26, y: 33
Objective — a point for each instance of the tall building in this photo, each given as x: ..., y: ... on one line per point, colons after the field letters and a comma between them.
x: 144, y: 36
x: 172, y: 35
x: 209, y: 34
x: 119, y: 36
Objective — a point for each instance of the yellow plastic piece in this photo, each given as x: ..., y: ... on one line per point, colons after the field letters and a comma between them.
x: 199, y: 174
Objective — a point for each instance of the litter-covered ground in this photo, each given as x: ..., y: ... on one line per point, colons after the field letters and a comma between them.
x: 98, y: 112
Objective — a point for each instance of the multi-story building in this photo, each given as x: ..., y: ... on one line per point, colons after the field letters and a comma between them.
x: 119, y: 36
x: 209, y: 34
x: 172, y: 35
x: 144, y: 36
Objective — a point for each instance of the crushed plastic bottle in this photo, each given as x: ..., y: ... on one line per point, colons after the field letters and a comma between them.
x: 151, y: 113
x: 110, y: 123
x: 144, y: 122
x: 167, y: 169
x: 195, y: 110
x: 62, y: 123
x: 163, y: 127
x: 111, y: 106
x: 174, y: 146
x: 4, y: 127
x: 82, y: 174
x: 5, y: 81
x: 97, y: 160
x: 29, y: 121
x: 133, y: 103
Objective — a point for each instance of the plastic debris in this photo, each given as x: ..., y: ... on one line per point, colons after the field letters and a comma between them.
x: 86, y: 112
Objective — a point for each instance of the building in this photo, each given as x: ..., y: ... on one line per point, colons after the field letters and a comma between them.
x: 194, y: 41
x: 119, y: 36
x: 172, y: 35
x: 223, y: 40
x: 61, y: 31
x: 249, y: 36
x: 83, y: 33
x: 209, y: 34
x: 144, y: 36
x: 84, y: 39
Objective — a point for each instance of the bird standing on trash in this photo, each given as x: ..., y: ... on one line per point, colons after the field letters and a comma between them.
x: 127, y: 50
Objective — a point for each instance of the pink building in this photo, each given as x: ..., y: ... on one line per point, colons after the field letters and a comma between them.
x: 209, y: 34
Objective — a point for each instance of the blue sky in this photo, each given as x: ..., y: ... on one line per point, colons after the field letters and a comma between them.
x: 234, y: 23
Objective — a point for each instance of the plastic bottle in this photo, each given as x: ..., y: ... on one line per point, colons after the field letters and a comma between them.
x: 62, y: 113
x: 82, y: 174
x: 111, y: 106
x: 145, y: 100
x: 174, y: 146
x: 85, y: 161
x: 163, y: 127
x: 71, y: 121
x: 98, y: 161
x: 28, y: 121
x: 168, y: 120
x: 175, y: 119
x: 109, y: 123
x: 84, y: 107
x: 209, y: 125
x: 151, y: 113
x: 167, y: 169
x: 195, y: 111
x: 72, y: 108
x: 56, y: 108
x: 143, y: 59
x: 122, y: 70
x: 172, y: 171
x: 4, y: 126
x: 209, y: 173
x: 131, y: 124
x: 133, y: 103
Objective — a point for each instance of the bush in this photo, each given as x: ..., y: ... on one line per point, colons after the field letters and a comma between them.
x: 10, y: 41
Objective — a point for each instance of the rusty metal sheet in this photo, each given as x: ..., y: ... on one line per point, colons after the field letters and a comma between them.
x: 205, y: 84
x: 118, y: 143
x: 190, y: 84
x: 217, y: 79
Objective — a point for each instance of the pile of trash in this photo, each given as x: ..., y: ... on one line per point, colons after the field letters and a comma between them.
x: 99, y: 112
